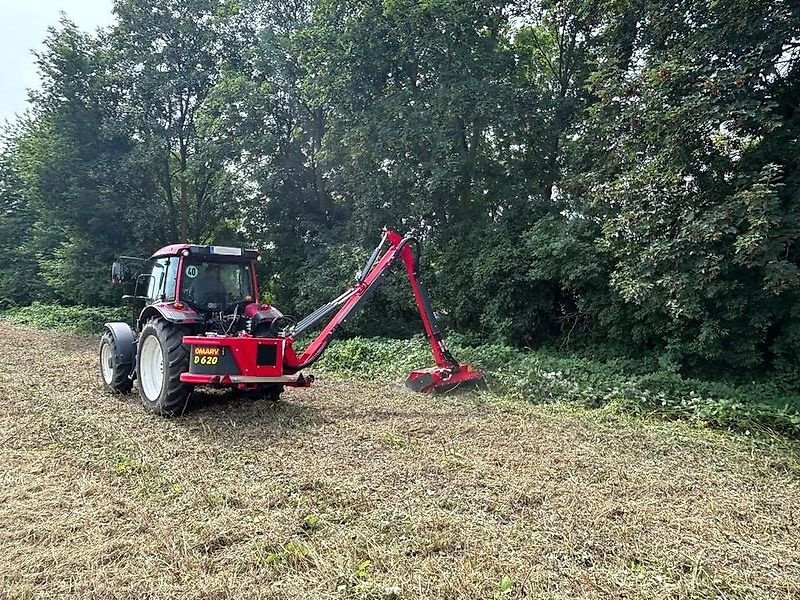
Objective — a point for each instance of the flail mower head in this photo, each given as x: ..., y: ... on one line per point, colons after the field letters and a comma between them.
x: 441, y: 380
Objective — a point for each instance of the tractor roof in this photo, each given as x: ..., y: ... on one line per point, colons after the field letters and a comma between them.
x: 216, y: 251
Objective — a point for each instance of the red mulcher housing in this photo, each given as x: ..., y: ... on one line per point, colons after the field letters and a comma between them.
x: 201, y: 325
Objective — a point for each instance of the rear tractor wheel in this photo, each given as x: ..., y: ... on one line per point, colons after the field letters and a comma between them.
x: 115, y: 376
x: 161, y: 360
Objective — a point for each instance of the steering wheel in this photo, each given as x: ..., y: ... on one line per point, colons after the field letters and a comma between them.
x: 232, y: 303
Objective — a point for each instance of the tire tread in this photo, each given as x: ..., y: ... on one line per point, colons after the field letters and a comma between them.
x: 121, y: 383
x: 175, y: 396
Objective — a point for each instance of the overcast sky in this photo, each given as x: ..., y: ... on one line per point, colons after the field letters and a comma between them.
x: 23, y: 27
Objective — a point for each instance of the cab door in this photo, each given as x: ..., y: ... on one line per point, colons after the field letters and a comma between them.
x: 163, y: 280
x: 155, y: 283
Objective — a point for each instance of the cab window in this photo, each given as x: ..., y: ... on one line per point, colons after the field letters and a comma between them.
x: 172, y: 278
x: 213, y: 285
x: 158, y: 276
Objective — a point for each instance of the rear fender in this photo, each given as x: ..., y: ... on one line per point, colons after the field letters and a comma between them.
x: 169, y: 313
x: 124, y: 343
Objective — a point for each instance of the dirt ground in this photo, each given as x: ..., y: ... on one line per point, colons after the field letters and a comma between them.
x: 364, y: 490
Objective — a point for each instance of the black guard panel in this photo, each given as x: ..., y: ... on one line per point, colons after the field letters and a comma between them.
x: 419, y: 383
x: 267, y: 355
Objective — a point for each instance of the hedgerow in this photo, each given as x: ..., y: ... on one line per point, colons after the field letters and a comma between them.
x: 80, y: 319
x: 548, y: 376
x: 542, y: 376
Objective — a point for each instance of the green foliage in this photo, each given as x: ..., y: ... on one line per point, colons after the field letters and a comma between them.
x: 605, y: 177
x: 19, y: 283
x: 311, y: 522
x: 683, y: 158
x: 505, y: 587
x: 81, y: 319
x: 544, y: 376
x: 290, y: 555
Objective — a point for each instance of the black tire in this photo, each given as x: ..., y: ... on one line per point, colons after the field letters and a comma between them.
x: 273, y: 392
x: 172, y: 396
x: 115, y: 377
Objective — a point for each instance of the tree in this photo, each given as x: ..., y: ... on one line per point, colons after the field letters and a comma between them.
x: 66, y: 155
x: 19, y: 283
x: 686, y: 152
x: 171, y: 54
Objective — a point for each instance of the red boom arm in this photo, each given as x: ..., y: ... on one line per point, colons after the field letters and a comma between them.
x: 448, y: 371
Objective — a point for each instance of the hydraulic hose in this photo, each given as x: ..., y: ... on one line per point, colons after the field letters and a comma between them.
x: 320, y: 313
x: 370, y: 289
x: 308, y: 322
x: 372, y: 259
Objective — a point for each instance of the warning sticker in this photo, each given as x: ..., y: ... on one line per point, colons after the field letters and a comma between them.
x: 191, y: 271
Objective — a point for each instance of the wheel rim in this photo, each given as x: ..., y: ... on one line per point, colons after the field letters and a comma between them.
x: 151, y: 368
x: 106, y: 363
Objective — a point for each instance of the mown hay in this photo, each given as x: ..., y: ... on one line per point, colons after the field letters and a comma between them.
x: 361, y: 490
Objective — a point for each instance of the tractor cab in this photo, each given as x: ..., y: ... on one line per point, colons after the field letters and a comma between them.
x: 205, y: 288
x: 207, y: 278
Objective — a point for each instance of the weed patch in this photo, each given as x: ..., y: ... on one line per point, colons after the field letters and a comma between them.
x: 77, y: 319
x: 543, y: 376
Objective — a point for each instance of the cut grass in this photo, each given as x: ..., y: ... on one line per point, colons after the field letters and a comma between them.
x: 362, y: 490
x: 770, y: 403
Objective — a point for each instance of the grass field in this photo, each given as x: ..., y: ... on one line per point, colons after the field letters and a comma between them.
x: 363, y: 490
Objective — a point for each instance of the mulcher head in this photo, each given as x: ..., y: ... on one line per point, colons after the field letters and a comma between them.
x: 437, y: 380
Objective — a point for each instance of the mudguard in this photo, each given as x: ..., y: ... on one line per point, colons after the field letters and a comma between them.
x: 124, y: 343
x: 168, y: 312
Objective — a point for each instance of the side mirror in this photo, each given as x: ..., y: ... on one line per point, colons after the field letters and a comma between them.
x: 117, y: 273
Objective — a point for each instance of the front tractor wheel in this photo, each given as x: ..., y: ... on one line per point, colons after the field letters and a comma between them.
x: 116, y: 376
x: 161, y: 360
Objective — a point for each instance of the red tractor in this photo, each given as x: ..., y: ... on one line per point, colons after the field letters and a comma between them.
x: 202, y: 325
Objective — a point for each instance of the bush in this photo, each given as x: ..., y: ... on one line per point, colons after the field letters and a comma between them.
x: 80, y: 319
x: 548, y: 376
x: 541, y: 376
